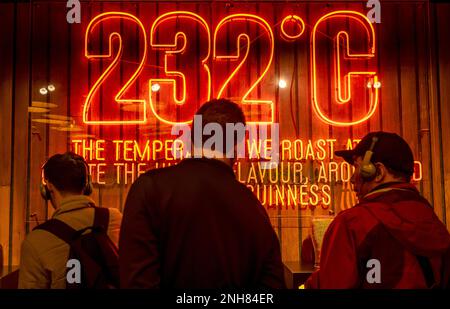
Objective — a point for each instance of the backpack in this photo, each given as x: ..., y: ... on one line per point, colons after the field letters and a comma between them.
x: 91, y: 246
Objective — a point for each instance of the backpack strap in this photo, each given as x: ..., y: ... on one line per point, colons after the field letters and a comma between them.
x: 67, y: 233
x: 58, y: 228
x: 101, y: 218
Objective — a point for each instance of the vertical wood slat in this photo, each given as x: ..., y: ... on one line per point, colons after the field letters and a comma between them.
x: 407, y: 79
x: 423, y: 100
x: 303, y: 101
x: 20, y: 134
x: 389, y: 73
x: 285, y: 66
x: 436, y: 154
x: 443, y: 39
x: 40, y: 132
x: 109, y: 194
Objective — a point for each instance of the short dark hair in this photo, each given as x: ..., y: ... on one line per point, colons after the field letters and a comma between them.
x: 67, y: 172
x: 399, y: 174
x: 220, y: 111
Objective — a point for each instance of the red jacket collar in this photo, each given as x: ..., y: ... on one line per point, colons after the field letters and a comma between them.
x: 386, y: 187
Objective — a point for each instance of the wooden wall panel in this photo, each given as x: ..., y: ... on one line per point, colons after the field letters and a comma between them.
x: 285, y: 55
x: 6, y: 87
x: 443, y: 80
x: 21, y: 101
x: 438, y: 198
x: 41, y: 62
x: 413, y: 63
x: 389, y: 57
x: 422, y: 90
x: 5, y: 192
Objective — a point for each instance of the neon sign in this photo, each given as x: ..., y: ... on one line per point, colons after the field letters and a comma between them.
x: 94, y: 30
x: 288, y: 185
x: 185, y: 20
x: 245, y: 19
x: 221, y: 70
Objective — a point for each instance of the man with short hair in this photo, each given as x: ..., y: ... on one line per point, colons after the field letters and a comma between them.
x: 66, y: 183
x: 193, y: 225
x: 392, y: 237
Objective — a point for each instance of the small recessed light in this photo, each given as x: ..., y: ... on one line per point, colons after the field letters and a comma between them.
x: 43, y: 91
x: 282, y: 83
x: 51, y: 88
x: 156, y: 87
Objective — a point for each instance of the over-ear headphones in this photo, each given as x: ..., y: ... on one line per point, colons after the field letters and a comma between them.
x: 87, y: 190
x: 45, y: 193
x: 368, y: 169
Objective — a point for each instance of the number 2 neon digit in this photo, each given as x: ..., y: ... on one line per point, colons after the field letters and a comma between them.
x: 93, y: 31
x: 267, y: 109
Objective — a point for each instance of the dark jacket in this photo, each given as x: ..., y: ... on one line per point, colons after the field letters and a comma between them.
x: 194, y: 225
x: 392, y: 224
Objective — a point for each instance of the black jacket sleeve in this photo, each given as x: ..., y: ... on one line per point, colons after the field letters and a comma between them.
x: 273, y: 271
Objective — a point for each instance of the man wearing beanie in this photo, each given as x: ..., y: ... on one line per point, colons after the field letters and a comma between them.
x: 392, y: 237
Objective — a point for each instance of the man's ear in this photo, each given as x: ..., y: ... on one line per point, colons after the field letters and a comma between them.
x: 381, y: 172
x: 50, y: 186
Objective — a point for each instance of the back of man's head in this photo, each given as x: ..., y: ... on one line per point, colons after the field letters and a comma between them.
x: 67, y: 172
x: 221, y: 112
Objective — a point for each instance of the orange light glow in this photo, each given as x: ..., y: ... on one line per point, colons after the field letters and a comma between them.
x: 170, y: 51
x: 93, y: 25
x: 343, y: 94
x: 419, y: 175
x: 267, y: 29
x: 300, y: 23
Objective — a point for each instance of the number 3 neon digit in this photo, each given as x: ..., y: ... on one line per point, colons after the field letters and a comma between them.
x: 184, y: 105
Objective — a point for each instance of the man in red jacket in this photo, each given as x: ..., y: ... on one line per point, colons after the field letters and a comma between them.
x: 392, y: 237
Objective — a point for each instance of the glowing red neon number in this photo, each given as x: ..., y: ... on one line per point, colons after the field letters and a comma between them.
x: 343, y: 56
x: 185, y: 104
x: 178, y: 104
x: 243, y: 41
x: 93, y: 31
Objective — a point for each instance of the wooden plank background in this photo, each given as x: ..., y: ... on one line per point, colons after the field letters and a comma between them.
x: 38, y: 47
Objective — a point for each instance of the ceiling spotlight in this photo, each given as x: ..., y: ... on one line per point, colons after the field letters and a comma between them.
x: 51, y: 88
x: 377, y: 85
x: 43, y: 91
x: 282, y: 83
x: 369, y: 85
x: 156, y: 87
